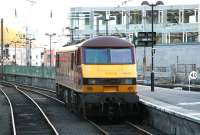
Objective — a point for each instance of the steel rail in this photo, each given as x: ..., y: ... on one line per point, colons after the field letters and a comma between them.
x: 23, y: 85
x: 45, y: 116
x: 49, y: 90
x: 42, y: 112
x: 98, y: 127
x: 12, y: 113
x: 138, y: 128
x: 92, y: 123
x: 43, y: 95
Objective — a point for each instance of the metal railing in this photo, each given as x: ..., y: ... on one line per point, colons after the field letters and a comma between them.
x: 174, y: 74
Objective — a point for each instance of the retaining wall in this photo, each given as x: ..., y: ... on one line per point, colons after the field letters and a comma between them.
x: 169, y: 122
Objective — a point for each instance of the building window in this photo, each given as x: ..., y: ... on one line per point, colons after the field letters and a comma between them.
x: 86, y: 18
x: 159, y: 38
x: 87, y: 36
x: 155, y: 16
x: 161, y: 69
x: 101, y: 14
x: 118, y: 15
x: 176, y: 37
x: 135, y: 17
x: 75, y: 18
x: 192, y: 37
x: 189, y: 16
x: 173, y: 16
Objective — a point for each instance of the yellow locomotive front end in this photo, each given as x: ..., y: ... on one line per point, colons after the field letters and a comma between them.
x: 109, y: 80
x: 98, y: 77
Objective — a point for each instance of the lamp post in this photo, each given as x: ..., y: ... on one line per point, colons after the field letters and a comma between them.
x: 72, y: 32
x: 2, y: 43
x: 24, y: 39
x: 97, y: 26
x: 22, y: 46
x: 107, y: 19
x: 152, y: 38
x: 98, y: 17
x: 15, y: 42
x: 50, y: 36
x: 30, y: 44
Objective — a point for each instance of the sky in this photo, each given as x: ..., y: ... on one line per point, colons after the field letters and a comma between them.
x: 36, y: 16
x: 22, y: 13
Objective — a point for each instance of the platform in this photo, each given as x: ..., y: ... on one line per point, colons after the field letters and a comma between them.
x: 181, y: 103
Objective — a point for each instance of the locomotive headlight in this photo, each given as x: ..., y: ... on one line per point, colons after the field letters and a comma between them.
x: 127, y: 81
x: 91, y: 81
x: 109, y: 81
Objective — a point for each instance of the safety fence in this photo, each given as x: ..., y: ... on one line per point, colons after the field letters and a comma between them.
x: 176, y: 73
x: 29, y: 75
x: 35, y: 71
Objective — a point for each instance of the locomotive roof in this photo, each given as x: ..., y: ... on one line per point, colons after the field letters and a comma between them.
x: 69, y: 48
x: 103, y: 41
x: 106, y: 41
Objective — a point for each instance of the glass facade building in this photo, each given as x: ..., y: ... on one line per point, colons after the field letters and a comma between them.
x: 173, y: 24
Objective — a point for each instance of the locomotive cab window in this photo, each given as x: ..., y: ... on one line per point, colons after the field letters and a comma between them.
x: 96, y: 56
x: 123, y: 56
x: 108, y: 56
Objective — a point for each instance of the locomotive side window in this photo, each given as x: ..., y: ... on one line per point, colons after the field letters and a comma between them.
x: 78, y: 58
x: 57, y: 60
x: 72, y: 61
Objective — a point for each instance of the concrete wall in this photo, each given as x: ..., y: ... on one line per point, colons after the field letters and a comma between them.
x: 166, y: 55
x: 178, y: 60
x: 168, y: 122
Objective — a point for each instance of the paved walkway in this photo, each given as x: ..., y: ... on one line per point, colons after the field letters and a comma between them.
x: 182, y: 102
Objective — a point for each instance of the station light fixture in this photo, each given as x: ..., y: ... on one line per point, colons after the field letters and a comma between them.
x: 152, y: 49
x: 50, y: 37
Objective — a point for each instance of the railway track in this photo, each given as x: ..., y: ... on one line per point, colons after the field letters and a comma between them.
x: 44, y: 92
x: 27, y: 117
x: 119, y: 129
x: 5, y: 115
x: 65, y: 122
x: 50, y: 104
x: 125, y: 128
x: 49, y: 92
